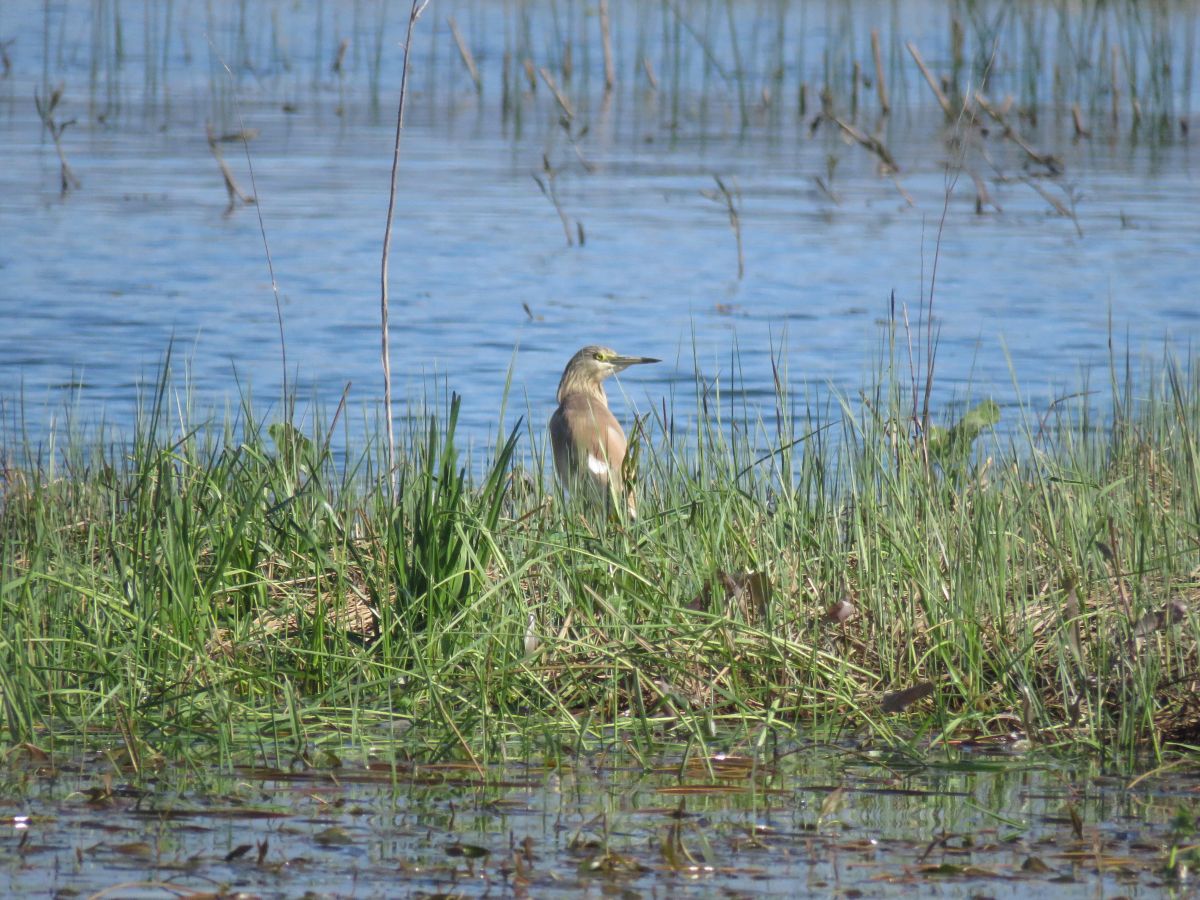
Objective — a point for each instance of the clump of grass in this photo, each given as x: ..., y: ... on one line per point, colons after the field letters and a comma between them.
x: 232, y: 587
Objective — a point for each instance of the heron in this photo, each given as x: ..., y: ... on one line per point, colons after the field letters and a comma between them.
x: 589, y: 444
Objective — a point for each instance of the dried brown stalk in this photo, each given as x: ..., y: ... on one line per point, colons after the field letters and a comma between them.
x: 562, y: 101
x: 648, y: 68
x: 1077, y: 118
x: 67, y: 177
x: 610, y: 77
x: 983, y: 197
x: 942, y: 99
x: 866, y: 141
x: 235, y: 193
x: 1067, y: 212
x: 1115, y: 90
x: 880, y: 85
x: 467, y: 57
x: 1049, y: 160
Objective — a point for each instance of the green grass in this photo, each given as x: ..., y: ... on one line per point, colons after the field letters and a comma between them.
x: 228, y: 588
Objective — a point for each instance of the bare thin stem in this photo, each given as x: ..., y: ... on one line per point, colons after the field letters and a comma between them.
x: 880, y: 85
x: 235, y: 192
x: 731, y: 200
x: 547, y: 188
x: 418, y: 7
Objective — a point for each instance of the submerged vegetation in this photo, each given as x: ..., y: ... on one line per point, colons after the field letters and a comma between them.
x: 230, y: 586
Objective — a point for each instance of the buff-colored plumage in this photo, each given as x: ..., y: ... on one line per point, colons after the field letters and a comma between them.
x: 589, y: 443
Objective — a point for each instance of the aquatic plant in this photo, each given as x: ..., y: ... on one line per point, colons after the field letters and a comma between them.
x: 220, y: 586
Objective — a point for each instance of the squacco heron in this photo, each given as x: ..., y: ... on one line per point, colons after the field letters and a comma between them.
x: 589, y: 445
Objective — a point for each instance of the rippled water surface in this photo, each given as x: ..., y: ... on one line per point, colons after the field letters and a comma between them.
x: 95, y: 286
x: 830, y: 822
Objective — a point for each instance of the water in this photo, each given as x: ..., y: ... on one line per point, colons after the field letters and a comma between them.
x: 96, y: 285
x: 809, y: 822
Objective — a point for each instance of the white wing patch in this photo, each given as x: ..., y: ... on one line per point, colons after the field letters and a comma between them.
x: 596, y: 465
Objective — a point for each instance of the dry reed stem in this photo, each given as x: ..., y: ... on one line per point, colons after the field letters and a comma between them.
x: 465, y: 52
x: 67, y: 176
x: 418, y: 7
x: 908, y: 198
x: 1059, y: 207
x: 855, y: 83
x: 826, y: 190
x: 1049, y: 160
x: 942, y: 100
x: 1077, y: 119
x: 606, y: 44
x: 235, y: 193
x: 983, y: 198
x: 1115, y: 88
x: 880, y: 85
x: 348, y: 613
x: 648, y: 68
x: 874, y: 145
x: 562, y: 101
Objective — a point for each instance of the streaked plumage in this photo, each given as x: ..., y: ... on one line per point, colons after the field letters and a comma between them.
x: 589, y: 443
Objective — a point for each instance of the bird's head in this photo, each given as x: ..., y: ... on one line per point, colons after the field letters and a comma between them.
x: 592, y: 365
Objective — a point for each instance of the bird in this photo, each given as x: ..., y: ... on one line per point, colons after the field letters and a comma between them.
x: 589, y: 444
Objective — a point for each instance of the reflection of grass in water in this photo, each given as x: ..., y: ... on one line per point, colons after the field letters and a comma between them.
x: 230, y: 583
x: 1130, y: 62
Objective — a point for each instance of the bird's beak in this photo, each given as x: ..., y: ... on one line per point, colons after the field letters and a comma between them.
x: 624, y: 362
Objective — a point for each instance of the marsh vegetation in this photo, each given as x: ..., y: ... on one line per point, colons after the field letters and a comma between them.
x: 864, y: 538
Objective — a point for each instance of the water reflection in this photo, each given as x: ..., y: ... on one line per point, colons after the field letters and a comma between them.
x: 812, y: 820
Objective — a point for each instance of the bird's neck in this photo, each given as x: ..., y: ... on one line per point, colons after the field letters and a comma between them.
x: 585, y: 386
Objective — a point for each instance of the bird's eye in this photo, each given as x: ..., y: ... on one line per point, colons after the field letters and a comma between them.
x: 598, y: 356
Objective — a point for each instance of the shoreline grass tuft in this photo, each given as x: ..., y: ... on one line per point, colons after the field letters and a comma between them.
x: 235, y: 588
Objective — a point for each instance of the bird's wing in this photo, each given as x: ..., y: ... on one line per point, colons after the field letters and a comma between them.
x: 564, y: 448
x: 614, y: 449
x: 584, y: 431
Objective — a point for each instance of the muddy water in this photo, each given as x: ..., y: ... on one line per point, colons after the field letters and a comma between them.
x: 145, y: 254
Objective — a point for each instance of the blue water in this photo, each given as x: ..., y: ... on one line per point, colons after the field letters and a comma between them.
x: 95, y: 286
